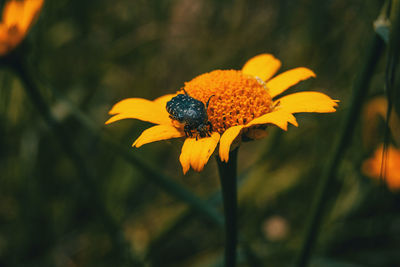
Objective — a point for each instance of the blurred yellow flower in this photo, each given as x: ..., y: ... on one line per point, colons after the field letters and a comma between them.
x: 374, y: 115
x: 391, y: 173
x: 243, y: 104
x: 17, y: 19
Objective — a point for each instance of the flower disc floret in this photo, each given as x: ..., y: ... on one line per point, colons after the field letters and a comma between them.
x: 237, y: 98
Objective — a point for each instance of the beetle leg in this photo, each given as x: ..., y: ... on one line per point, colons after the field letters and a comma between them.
x: 208, y: 101
x: 187, y: 130
x: 203, y: 131
x: 210, y: 126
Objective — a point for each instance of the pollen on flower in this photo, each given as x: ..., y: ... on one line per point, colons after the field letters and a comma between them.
x: 238, y: 98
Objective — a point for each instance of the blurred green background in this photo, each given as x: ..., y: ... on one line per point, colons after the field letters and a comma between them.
x: 96, y: 208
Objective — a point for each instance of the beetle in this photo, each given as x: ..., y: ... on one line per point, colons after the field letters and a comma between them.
x: 191, y: 112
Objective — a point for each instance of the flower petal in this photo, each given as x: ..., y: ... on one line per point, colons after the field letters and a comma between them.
x: 226, y: 140
x: 374, y: 112
x: 184, y: 158
x: 31, y: 11
x: 287, y: 79
x: 162, y: 100
x: 8, y: 39
x: 280, y: 118
x: 157, y: 133
x: 195, y: 153
x: 256, y: 133
x: 141, y: 109
x: 372, y: 167
x: 13, y: 11
x: 263, y: 66
x: 307, y: 102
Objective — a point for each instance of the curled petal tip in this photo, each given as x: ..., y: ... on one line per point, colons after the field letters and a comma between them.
x: 294, y: 122
x: 198, y: 168
x: 185, y: 170
x: 223, y: 157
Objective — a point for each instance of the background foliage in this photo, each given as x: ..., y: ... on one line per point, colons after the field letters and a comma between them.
x: 93, y: 207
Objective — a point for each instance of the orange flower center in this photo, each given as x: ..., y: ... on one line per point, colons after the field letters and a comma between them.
x: 238, y: 98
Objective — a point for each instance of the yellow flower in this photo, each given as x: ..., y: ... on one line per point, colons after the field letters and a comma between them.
x: 243, y: 104
x: 374, y: 113
x: 17, y: 19
x: 391, y: 172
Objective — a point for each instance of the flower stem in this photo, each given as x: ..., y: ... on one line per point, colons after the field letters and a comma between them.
x: 228, y: 178
x: 322, y: 195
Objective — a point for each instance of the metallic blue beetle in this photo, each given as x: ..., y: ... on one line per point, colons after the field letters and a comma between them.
x: 192, y: 113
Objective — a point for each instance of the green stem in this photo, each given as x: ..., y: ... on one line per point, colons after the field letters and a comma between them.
x: 214, y: 199
x: 390, y: 90
x: 391, y: 67
x: 165, y: 182
x: 359, y: 92
x: 228, y: 178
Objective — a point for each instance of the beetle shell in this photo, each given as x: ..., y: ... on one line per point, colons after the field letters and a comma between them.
x: 191, y: 112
